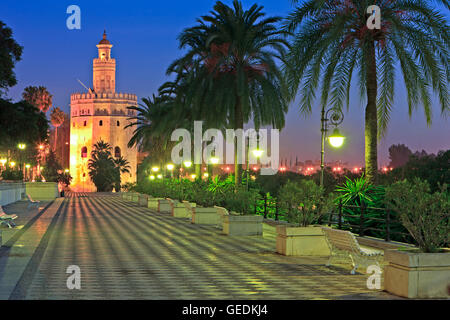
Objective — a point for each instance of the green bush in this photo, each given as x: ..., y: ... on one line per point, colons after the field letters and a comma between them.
x: 359, y: 193
x: 12, y: 174
x: 426, y: 215
x: 305, y: 202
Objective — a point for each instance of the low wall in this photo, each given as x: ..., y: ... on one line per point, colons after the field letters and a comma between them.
x: 11, y: 192
x: 44, y: 191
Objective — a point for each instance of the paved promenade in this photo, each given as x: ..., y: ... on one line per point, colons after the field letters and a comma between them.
x: 129, y: 252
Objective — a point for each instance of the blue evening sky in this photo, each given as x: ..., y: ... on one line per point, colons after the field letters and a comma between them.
x: 144, y: 35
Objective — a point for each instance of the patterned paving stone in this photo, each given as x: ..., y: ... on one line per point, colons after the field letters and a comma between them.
x: 129, y: 252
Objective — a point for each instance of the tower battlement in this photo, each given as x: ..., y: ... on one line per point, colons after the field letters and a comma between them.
x: 103, y: 95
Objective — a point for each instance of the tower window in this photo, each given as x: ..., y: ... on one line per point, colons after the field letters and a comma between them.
x: 100, y: 123
x: 118, y: 123
x: 85, y: 123
x: 117, y: 152
x: 84, y: 152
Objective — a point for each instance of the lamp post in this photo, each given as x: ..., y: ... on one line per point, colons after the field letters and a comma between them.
x: 22, y: 146
x: 335, y: 117
x: 257, y: 153
x: 170, y: 167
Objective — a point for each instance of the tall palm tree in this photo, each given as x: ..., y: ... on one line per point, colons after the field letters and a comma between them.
x: 331, y: 42
x: 57, y: 117
x: 232, y: 61
x: 38, y: 97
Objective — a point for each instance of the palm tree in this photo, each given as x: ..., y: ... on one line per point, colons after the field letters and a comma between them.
x: 231, y: 64
x: 331, y: 41
x: 102, y: 169
x: 122, y: 166
x: 38, y: 97
x: 57, y: 117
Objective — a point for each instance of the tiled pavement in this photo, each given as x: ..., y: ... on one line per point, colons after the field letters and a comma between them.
x: 130, y: 252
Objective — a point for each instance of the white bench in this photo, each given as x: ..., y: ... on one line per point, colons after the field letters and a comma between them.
x: 343, y: 244
x: 32, y: 202
x: 7, y: 219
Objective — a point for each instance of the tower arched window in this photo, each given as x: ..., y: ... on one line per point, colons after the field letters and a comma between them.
x: 84, y: 152
x: 117, y: 152
x: 100, y: 123
x: 118, y: 123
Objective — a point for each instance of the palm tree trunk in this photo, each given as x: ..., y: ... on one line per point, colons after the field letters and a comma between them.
x: 238, y: 124
x: 371, y: 120
x: 56, y: 141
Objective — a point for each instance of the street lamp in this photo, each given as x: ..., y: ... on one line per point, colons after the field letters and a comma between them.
x: 152, y: 177
x: 155, y: 169
x: 22, y: 146
x: 335, y: 117
x: 170, y: 167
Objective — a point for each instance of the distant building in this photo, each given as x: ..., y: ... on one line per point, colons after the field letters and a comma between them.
x: 100, y: 114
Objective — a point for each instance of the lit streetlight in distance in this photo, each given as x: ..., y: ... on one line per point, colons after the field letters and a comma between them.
x: 336, y: 139
x: 159, y: 176
x: 214, y: 160
x: 28, y: 166
x: 170, y: 167
x: 155, y: 169
x: 22, y: 146
x: 187, y: 164
x: 206, y: 174
x: 152, y: 177
x: 3, y: 162
x: 12, y: 164
x: 193, y: 176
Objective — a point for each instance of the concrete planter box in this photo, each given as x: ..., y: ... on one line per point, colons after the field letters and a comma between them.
x: 302, y: 241
x: 202, y: 215
x: 164, y: 205
x: 42, y: 191
x: 152, y: 203
x: 143, y: 200
x: 243, y: 225
x: 135, y: 197
x: 183, y: 209
x: 413, y: 274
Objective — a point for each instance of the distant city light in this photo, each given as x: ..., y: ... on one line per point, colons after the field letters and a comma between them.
x: 22, y: 146
x: 170, y: 167
x: 152, y: 177
x: 155, y: 169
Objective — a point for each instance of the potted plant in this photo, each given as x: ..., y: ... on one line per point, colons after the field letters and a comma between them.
x: 423, y: 272
x: 241, y: 221
x: 305, y: 203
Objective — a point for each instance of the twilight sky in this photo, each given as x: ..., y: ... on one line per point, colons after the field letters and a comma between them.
x: 144, y: 37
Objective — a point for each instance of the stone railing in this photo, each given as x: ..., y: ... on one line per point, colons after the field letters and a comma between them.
x: 11, y: 192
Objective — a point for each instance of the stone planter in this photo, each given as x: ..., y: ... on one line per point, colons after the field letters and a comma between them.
x: 302, y: 241
x: 135, y: 197
x: 164, y: 205
x: 183, y: 209
x: 124, y: 195
x: 202, y: 215
x: 42, y: 191
x: 143, y: 200
x: 242, y: 225
x: 413, y: 274
x: 152, y: 203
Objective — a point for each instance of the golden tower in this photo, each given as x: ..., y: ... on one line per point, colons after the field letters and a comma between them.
x: 100, y: 114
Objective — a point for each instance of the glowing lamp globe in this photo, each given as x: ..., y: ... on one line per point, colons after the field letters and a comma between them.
x: 170, y: 167
x: 187, y: 164
x: 258, y: 153
x: 155, y: 169
x: 336, y: 139
x: 214, y: 160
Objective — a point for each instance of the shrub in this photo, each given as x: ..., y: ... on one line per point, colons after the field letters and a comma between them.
x: 13, y: 175
x: 426, y: 215
x: 305, y: 202
x: 242, y: 201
